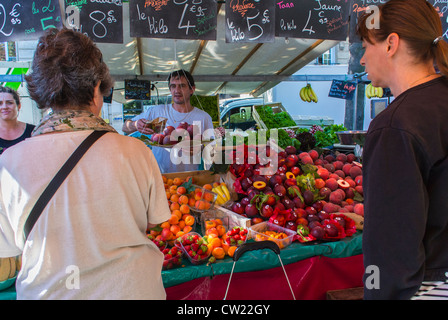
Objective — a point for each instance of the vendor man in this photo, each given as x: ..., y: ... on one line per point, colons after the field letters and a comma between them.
x: 182, y: 87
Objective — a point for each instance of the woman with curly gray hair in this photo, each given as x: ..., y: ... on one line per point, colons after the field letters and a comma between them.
x: 90, y: 240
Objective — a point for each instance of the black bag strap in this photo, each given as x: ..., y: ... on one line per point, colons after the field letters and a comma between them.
x: 53, y: 186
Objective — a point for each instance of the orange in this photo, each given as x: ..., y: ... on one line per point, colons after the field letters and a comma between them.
x: 212, y: 231
x: 210, y: 224
x: 165, y: 224
x: 174, y: 229
x: 221, y: 230
x: 218, y: 253
x: 177, y: 181
x: 215, y: 242
x: 180, y: 234
x: 184, y: 209
x: 225, y: 246
x: 209, y: 196
x: 189, y: 219
x: 174, y: 197
x: 231, y: 251
x: 173, y: 189
x: 183, y: 199
x: 181, y: 224
x: 178, y: 214
x: 174, y: 219
x: 181, y: 190
x: 208, y: 186
x: 174, y: 206
x: 209, y: 248
x: 201, y: 205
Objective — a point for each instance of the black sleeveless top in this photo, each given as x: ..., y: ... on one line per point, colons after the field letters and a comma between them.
x: 4, y: 144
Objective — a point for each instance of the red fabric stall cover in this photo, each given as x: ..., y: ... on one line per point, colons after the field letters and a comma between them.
x: 310, y: 280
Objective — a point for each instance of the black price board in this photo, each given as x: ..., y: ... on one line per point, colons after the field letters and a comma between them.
x: 250, y: 21
x: 173, y: 19
x: 28, y: 20
x: 312, y: 19
x: 137, y: 89
x: 101, y: 21
x: 442, y: 8
x: 342, y: 89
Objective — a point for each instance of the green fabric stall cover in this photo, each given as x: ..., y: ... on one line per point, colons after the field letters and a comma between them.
x: 264, y: 259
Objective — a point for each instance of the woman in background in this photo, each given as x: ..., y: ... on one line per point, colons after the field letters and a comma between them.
x: 12, y: 130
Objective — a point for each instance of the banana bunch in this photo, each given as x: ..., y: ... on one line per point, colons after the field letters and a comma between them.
x: 307, y: 94
x: 9, y: 266
x: 373, y: 92
x: 222, y: 191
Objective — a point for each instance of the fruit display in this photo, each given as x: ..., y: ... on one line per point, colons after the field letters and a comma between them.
x: 306, y: 187
x: 307, y: 94
x: 374, y: 92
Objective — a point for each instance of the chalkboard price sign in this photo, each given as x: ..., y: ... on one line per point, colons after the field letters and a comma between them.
x: 28, y: 20
x: 250, y: 21
x: 312, y: 19
x: 173, y: 19
x: 442, y: 8
x: 342, y: 89
x: 101, y: 21
x: 137, y: 89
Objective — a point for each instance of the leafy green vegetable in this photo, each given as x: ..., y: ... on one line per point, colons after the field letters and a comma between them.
x: 275, y: 120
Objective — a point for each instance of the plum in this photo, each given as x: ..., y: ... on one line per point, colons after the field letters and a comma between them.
x: 238, y: 208
x: 308, y: 197
x: 331, y: 230
x: 251, y: 210
x: 318, y: 232
x: 266, y: 211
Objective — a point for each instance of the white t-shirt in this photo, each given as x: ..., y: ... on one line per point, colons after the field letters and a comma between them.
x: 176, y: 162
x: 89, y: 242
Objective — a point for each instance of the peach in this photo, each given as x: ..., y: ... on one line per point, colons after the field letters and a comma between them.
x: 359, y: 209
x: 329, y: 167
x: 314, y: 154
x: 359, y: 189
x: 323, y: 173
x: 341, y: 157
x: 336, y: 197
x: 355, y: 171
x: 340, y: 173
x: 358, y: 180
x: 338, y: 165
x: 331, y: 184
x: 346, y: 168
x: 351, y: 157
